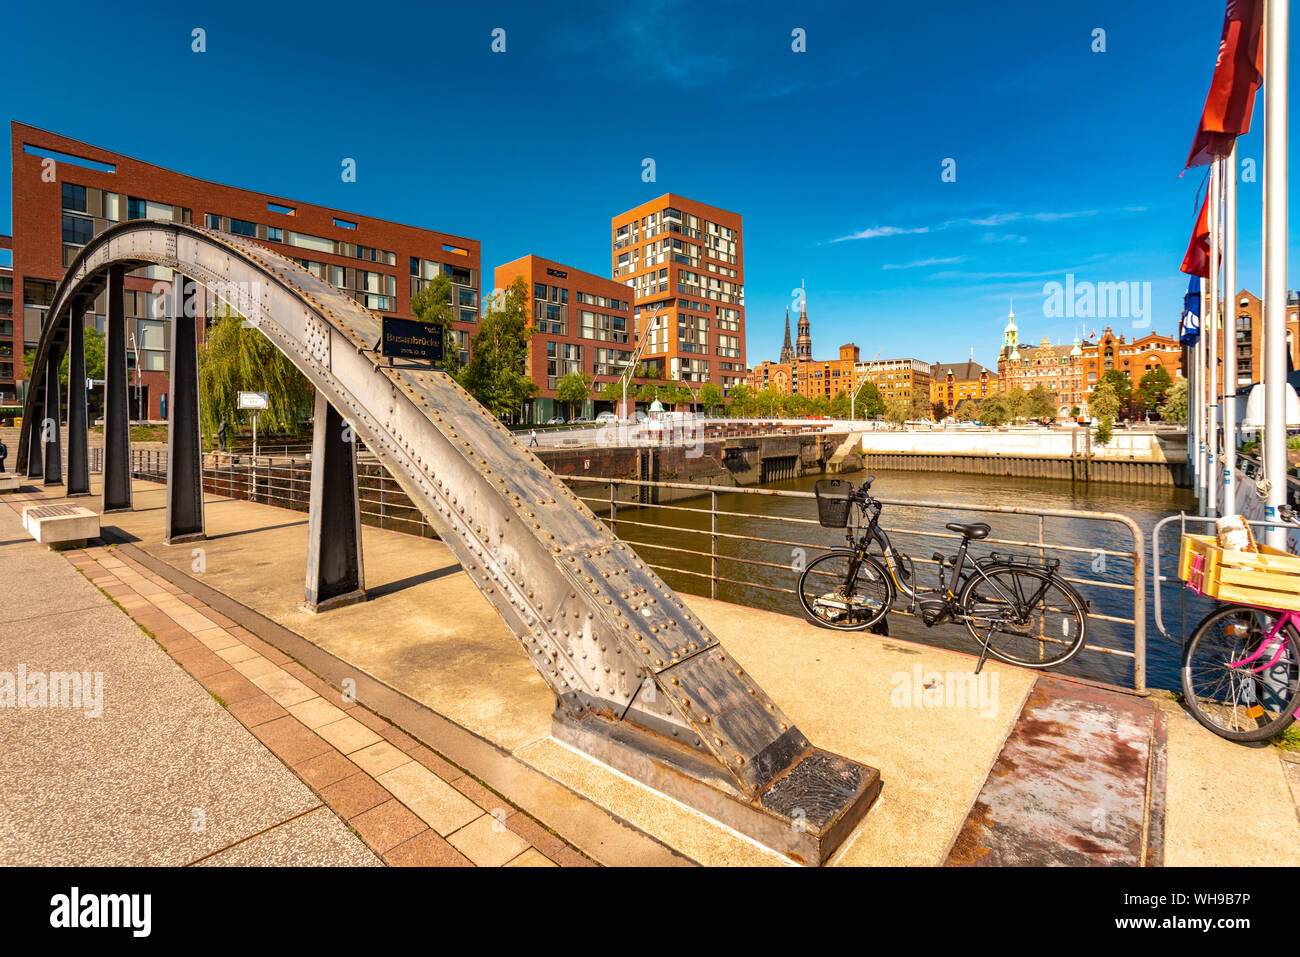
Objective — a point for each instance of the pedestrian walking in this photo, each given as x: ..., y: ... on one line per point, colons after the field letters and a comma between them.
x: 532, y: 438
x: 4, y: 451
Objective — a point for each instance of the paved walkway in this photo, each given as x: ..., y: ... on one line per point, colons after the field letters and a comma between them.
x: 247, y: 759
x: 981, y: 772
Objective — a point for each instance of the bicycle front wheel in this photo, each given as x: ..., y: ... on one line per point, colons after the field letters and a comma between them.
x: 1237, y: 699
x: 845, y: 591
x: 1028, y: 617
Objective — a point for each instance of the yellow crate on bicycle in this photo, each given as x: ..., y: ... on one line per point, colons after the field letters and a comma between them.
x: 1267, y: 577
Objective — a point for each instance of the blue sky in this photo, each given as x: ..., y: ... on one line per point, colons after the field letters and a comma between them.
x: 1067, y: 161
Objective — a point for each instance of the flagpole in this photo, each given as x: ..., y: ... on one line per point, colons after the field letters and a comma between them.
x: 1230, y: 333
x: 1210, y: 325
x: 1275, y: 239
x: 1200, y: 408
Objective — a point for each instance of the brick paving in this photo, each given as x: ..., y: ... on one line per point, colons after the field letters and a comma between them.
x: 410, y: 805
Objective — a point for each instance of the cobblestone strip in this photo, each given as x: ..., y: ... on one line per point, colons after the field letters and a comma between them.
x: 409, y: 805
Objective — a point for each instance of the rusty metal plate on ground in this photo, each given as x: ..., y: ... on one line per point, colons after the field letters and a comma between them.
x: 1071, y: 784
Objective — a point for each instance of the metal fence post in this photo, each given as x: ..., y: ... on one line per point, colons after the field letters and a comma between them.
x: 713, y: 547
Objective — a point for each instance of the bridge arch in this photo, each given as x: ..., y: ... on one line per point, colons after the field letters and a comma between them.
x: 599, y: 625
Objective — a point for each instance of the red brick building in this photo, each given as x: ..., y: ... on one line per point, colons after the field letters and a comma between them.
x: 10, y: 352
x: 684, y: 265
x: 583, y: 323
x: 65, y: 192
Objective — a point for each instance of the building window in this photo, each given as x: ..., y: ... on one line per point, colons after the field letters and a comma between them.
x: 74, y: 197
x: 242, y: 227
x: 212, y: 220
x: 274, y: 234
x: 135, y: 208
x: 77, y: 230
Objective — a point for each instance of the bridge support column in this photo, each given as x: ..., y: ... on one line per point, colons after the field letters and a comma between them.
x: 335, y: 574
x: 184, y: 519
x: 117, y: 426
x: 50, y: 425
x: 78, y: 416
x: 36, y: 437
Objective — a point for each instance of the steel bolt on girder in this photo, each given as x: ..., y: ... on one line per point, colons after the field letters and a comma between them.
x: 641, y: 684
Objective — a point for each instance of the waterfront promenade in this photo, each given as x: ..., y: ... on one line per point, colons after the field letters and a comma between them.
x: 419, y: 705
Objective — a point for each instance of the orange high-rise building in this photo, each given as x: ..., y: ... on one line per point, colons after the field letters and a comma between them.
x: 684, y: 264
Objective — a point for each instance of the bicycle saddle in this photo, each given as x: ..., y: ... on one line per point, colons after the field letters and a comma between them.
x: 974, y: 531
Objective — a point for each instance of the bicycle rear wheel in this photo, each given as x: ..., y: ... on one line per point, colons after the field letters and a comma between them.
x: 1248, y: 701
x: 1028, y: 617
x: 833, y: 598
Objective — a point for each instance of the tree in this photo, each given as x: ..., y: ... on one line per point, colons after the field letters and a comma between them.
x: 1155, y: 386
x: 919, y: 409
x: 869, y: 404
x: 1040, y: 404
x: 1105, y: 401
x: 433, y: 304
x: 1175, y: 405
x: 896, y: 411
x: 1075, y: 412
x: 679, y: 393
x: 236, y: 358
x: 994, y: 409
x: 497, y: 371
x: 1017, y: 402
x: 1120, y: 383
x: 966, y: 411
x: 768, y: 402
x: 94, y: 353
x: 573, y: 389
x: 742, y: 401
x: 711, y: 397
x: 939, y: 411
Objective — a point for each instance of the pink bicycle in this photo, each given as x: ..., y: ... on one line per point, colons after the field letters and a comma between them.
x: 1241, y: 669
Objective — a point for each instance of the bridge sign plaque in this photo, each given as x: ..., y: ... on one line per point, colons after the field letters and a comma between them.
x: 408, y: 339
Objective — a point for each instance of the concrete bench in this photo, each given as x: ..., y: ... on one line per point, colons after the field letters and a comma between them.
x: 61, y: 526
x: 10, y: 481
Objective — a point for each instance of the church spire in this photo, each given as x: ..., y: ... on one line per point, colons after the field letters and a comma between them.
x: 804, y: 349
x: 787, y: 350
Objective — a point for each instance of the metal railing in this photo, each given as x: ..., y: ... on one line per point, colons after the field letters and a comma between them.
x: 758, y: 565
x: 749, y: 568
x: 285, y: 482
x: 1158, y: 578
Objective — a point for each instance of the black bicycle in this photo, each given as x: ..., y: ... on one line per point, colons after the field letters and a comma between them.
x: 1018, y: 610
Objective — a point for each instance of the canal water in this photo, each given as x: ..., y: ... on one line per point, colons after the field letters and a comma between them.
x: 759, y: 567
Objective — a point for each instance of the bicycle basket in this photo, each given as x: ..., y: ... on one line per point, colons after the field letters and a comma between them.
x: 834, y: 502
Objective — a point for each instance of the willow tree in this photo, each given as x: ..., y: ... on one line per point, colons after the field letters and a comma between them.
x: 236, y: 358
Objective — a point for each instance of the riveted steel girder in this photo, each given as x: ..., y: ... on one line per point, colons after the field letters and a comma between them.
x: 641, y: 683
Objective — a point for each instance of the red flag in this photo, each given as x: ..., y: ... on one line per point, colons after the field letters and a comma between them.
x: 1237, y: 77
x: 1197, y: 260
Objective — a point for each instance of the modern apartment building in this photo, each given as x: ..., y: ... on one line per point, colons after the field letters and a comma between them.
x: 583, y: 325
x: 683, y: 262
x: 65, y: 192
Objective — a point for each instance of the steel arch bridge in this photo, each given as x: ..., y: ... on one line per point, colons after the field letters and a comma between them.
x: 640, y: 683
